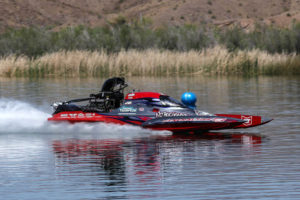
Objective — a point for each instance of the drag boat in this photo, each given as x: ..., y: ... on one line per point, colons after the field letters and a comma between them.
x: 150, y: 110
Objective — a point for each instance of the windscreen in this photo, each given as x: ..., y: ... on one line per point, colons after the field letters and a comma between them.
x: 163, y: 101
x: 167, y: 101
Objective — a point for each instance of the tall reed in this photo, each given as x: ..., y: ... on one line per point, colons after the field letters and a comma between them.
x: 150, y: 62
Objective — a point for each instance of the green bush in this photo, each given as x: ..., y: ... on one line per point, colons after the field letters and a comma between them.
x: 140, y: 34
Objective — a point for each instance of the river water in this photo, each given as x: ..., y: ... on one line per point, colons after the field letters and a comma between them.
x: 42, y: 160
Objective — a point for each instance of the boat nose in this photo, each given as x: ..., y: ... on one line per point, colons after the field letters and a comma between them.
x: 265, y: 120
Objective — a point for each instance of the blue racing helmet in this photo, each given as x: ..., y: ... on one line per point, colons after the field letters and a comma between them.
x: 189, y: 99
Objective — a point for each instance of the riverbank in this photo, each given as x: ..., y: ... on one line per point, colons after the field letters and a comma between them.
x: 213, y: 61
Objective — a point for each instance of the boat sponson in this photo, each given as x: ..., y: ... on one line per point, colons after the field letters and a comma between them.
x: 190, y: 123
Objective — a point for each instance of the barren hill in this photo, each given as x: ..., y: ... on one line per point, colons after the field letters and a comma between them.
x: 17, y: 13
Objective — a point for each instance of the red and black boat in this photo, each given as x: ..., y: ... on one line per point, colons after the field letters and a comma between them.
x: 149, y: 110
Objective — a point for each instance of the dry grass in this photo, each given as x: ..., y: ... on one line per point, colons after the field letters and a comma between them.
x: 153, y: 62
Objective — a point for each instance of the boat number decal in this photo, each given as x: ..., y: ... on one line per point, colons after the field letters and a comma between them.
x: 248, y: 120
x: 78, y: 115
x: 127, y: 109
x: 196, y: 119
x: 169, y: 114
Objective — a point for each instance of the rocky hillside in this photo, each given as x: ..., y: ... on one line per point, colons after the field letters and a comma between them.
x: 59, y: 13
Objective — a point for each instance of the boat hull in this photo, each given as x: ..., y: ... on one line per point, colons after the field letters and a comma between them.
x: 173, y: 124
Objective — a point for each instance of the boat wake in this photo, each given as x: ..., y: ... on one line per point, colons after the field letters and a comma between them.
x: 21, y: 117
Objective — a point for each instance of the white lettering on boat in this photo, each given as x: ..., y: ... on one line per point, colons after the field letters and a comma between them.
x: 77, y: 115
x: 170, y: 114
x: 248, y: 120
x: 125, y: 109
x: 196, y: 119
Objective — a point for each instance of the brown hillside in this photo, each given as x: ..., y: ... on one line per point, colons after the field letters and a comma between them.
x: 17, y: 13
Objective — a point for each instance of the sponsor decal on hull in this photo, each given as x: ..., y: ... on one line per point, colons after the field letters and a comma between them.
x: 169, y: 114
x: 77, y: 115
x: 248, y: 120
x: 126, y: 109
x: 196, y: 119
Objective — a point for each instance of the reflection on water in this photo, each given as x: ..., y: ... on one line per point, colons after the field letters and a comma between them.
x: 145, y: 161
x: 41, y: 160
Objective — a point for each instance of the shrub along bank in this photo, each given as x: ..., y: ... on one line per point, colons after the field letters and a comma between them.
x: 174, y: 49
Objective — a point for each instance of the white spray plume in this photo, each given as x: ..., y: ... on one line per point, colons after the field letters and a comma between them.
x: 20, y: 117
